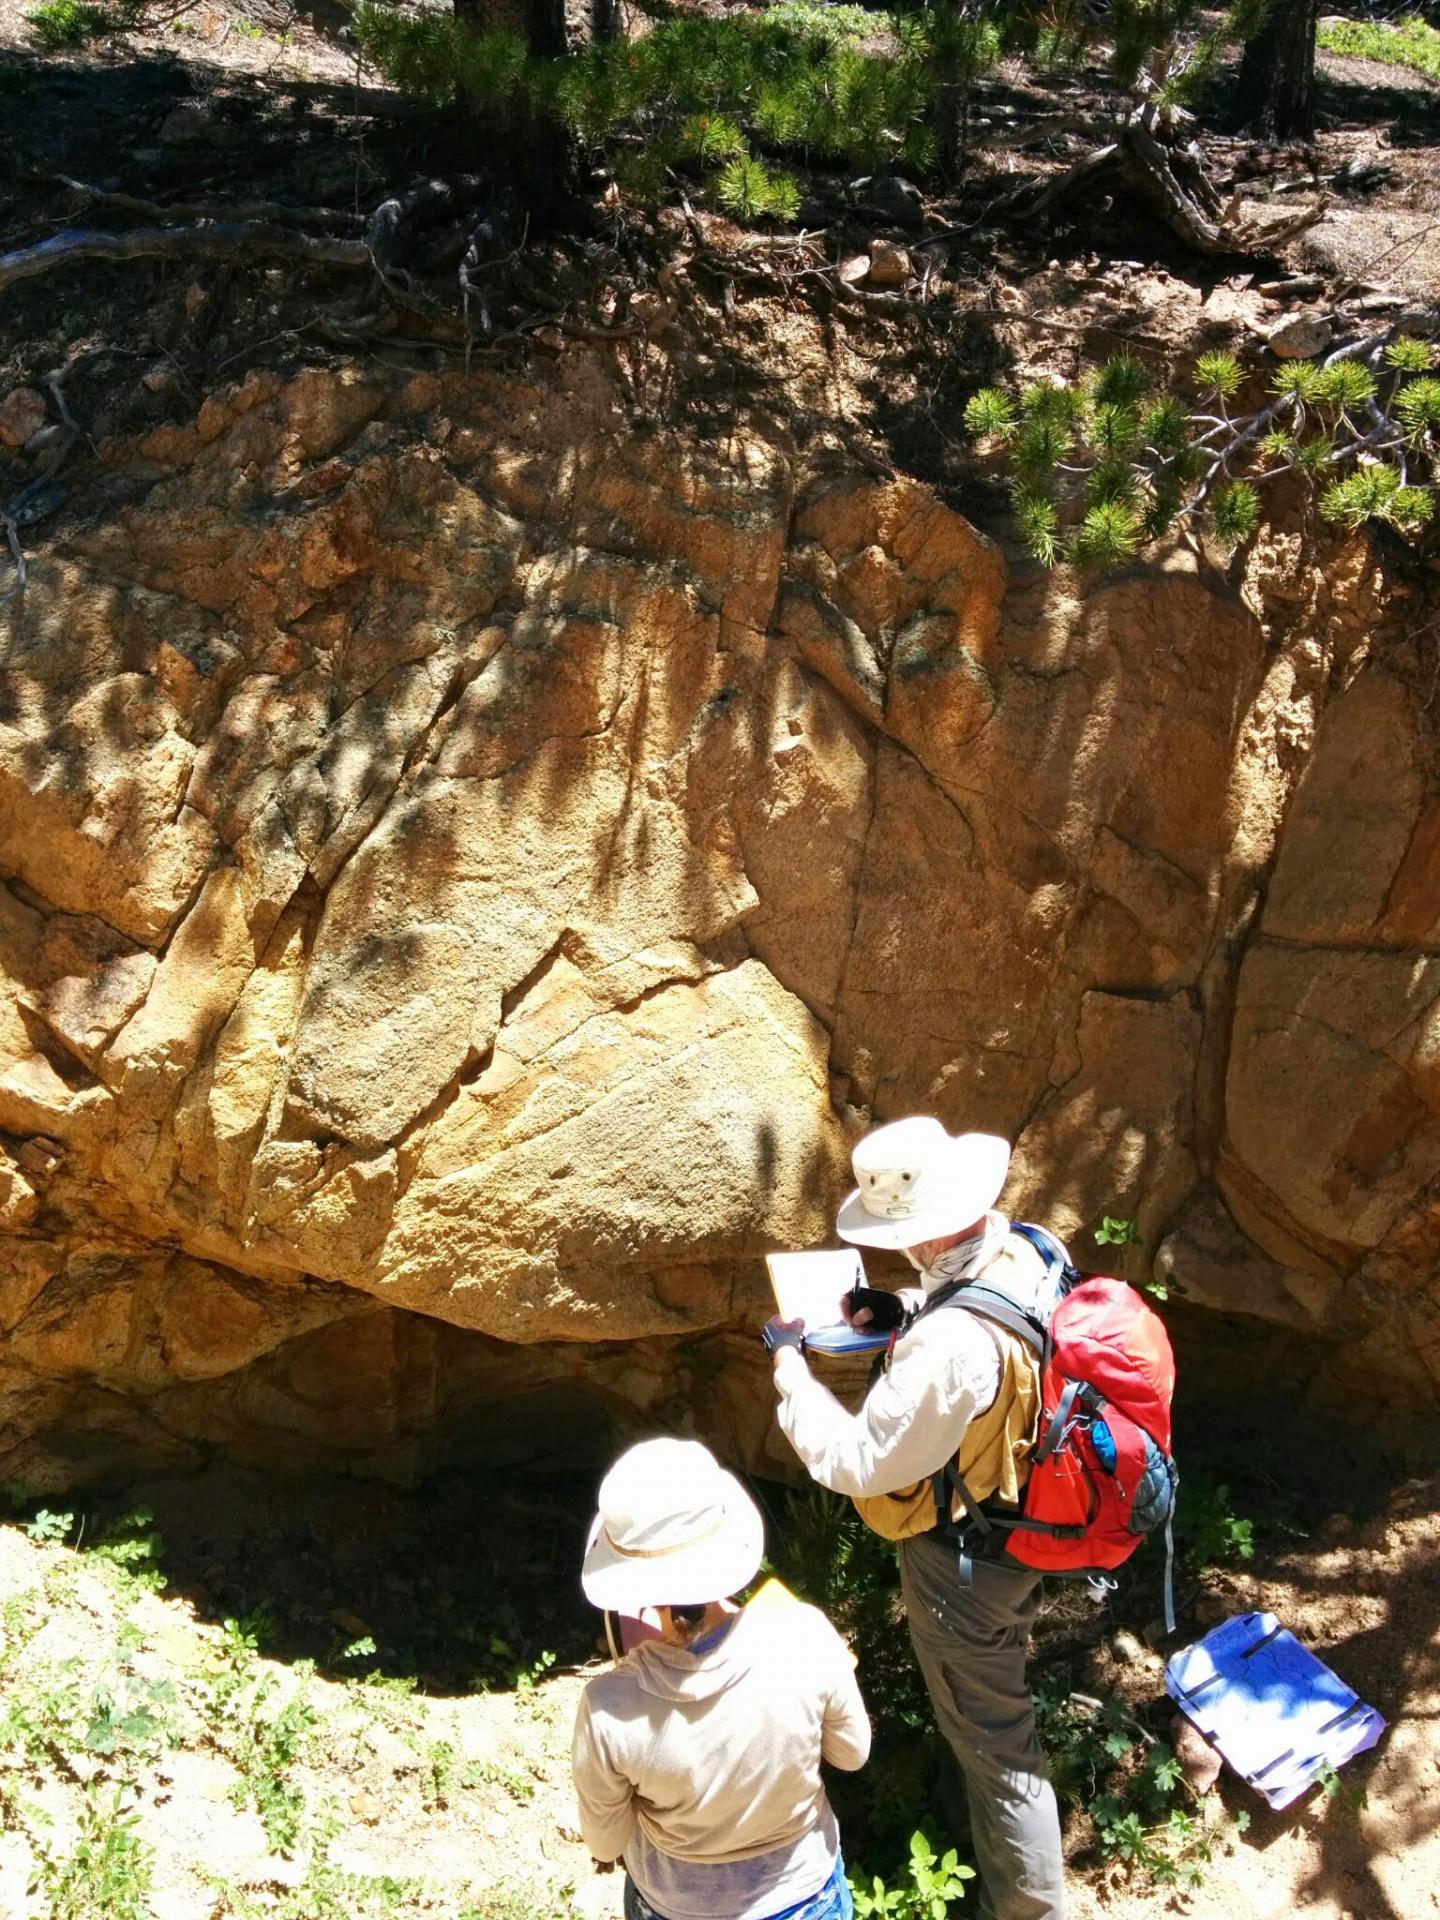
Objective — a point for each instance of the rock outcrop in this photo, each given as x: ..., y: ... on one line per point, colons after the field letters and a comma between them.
x: 469, y: 872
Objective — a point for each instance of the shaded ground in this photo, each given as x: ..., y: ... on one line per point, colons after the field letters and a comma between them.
x: 421, y: 1763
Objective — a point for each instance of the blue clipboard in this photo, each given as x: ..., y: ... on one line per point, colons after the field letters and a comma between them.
x: 1277, y: 1714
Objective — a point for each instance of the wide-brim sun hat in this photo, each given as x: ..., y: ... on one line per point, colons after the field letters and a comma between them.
x: 916, y: 1182
x: 673, y: 1529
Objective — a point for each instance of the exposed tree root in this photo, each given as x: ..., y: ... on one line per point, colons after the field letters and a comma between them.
x: 1172, y: 178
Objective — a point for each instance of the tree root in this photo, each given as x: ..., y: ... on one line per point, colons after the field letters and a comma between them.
x: 1173, y: 180
x: 257, y: 231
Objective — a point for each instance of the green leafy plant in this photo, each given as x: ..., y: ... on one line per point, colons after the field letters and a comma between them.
x: 107, y: 1873
x: 60, y: 25
x: 50, y: 1526
x: 1351, y: 1794
x: 931, y: 1884
x: 1208, y: 1530
x: 1115, y: 1232
x: 130, y: 1548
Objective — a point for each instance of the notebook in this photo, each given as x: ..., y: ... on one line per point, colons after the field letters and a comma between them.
x: 1276, y: 1713
x: 809, y: 1286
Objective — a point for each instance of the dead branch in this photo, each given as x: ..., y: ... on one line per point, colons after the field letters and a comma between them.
x: 160, y: 211
x: 226, y: 240
x: 1173, y: 179
x: 59, y: 453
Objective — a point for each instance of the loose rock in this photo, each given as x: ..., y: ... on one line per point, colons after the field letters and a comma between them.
x: 1200, y: 1761
x: 1301, y: 338
x: 22, y: 413
x: 889, y: 264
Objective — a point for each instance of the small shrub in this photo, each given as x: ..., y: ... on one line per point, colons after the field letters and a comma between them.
x: 108, y: 1872
x: 1099, y: 468
x: 930, y: 1885
x: 130, y: 1549
x: 1208, y: 1531
x: 1408, y: 42
x: 60, y: 25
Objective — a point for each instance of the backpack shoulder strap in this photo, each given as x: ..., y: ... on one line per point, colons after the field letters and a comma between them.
x: 989, y: 1303
x: 1051, y: 1249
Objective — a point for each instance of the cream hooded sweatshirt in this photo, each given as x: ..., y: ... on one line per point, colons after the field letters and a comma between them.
x: 715, y: 1757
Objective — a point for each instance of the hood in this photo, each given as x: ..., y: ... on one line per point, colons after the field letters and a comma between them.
x: 674, y: 1673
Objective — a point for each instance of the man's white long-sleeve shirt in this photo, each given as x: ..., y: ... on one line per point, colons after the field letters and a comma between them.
x: 944, y: 1371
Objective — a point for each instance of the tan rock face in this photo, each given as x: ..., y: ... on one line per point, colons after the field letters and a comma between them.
x: 469, y: 872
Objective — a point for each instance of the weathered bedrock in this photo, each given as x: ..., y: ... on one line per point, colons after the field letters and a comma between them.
x: 470, y: 869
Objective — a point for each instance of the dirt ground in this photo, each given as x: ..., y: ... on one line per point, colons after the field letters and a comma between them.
x: 447, y: 1793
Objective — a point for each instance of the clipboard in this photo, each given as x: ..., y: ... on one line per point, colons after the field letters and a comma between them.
x: 809, y: 1286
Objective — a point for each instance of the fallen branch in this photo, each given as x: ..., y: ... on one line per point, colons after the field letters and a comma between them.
x: 238, y: 240
x: 160, y: 211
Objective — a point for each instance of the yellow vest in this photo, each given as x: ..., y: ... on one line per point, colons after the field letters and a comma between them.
x: 994, y: 1456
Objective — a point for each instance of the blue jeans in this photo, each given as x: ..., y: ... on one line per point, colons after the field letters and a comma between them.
x: 832, y: 1902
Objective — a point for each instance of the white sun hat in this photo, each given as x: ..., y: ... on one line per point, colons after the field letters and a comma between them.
x: 674, y: 1528
x: 916, y: 1182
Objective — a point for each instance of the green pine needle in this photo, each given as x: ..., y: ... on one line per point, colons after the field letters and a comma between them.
x: 1235, y: 513
x: 990, y: 412
x: 1408, y: 355
x: 1417, y: 406
x: 1120, y: 382
x: 1164, y: 425
x: 1039, y: 524
x: 1109, y: 534
x: 1218, y: 373
x: 1300, y: 378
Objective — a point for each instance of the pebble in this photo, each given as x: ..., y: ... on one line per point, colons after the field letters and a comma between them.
x: 1200, y: 1762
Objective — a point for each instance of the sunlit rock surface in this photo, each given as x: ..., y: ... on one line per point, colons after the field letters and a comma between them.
x: 470, y: 870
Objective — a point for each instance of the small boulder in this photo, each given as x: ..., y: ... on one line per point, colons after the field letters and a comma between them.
x: 195, y: 124
x: 22, y: 415
x: 1300, y: 338
x: 889, y: 264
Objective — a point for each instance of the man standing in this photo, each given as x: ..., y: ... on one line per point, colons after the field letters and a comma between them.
x: 960, y: 1391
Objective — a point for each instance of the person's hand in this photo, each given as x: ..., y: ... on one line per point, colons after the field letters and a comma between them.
x: 779, y: 1334
x: 875, y: 1309
x: 853, y: 1316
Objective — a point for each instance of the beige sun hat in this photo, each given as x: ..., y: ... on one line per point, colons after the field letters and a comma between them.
x: 916, y: 1182
x: 674, y: 1528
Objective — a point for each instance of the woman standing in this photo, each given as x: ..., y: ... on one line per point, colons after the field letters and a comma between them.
x: 697, y: 1757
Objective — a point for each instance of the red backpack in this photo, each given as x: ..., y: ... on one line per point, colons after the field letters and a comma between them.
x: 1101, y: 1474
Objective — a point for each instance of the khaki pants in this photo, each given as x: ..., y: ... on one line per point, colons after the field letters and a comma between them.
x: 971, y: 1644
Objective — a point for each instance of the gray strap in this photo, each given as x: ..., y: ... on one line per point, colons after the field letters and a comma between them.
x: 1054, y: 1434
